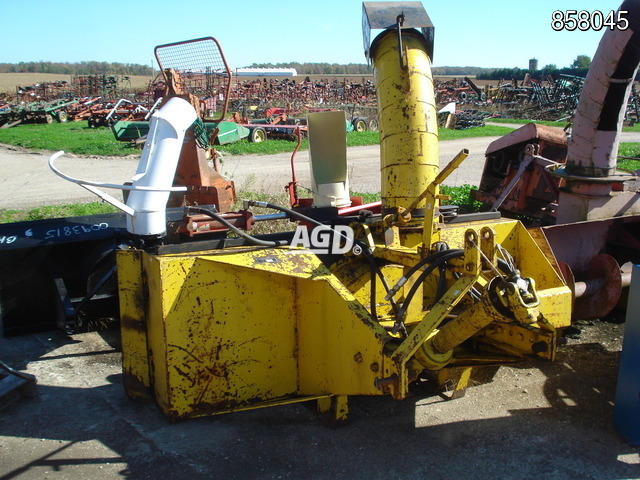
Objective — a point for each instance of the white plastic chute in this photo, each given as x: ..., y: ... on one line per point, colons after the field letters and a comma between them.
x: 153, y: 180
x: 328, y: 159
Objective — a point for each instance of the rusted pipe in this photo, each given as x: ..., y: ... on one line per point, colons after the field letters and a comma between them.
x: 593, y: 146
x: 600, y: 288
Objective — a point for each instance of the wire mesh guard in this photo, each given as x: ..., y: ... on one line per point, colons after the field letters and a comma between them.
x: 202, y: 67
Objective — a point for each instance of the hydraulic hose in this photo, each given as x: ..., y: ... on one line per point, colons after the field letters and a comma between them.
x: 421, y: 263
x: 373, y: 269
x: 441, y: 260
x: 436, y: 260
x: 233, y: 228
x: 288, y: 211
x: 504, y: 266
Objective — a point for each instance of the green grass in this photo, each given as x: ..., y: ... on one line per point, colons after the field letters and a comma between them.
x: 72, y: 137
x: 268, y: 147
x: 629, y: 150
x: 460, y: 196
x: 486, y: 131
x: 55, y: 211
x: 367, y: 197
x: 633, y: 128
x: 77, y: 138
x: 354, y: 139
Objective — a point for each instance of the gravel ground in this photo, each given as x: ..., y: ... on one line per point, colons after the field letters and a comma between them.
x: 26, y: 180
x: 534, y: 420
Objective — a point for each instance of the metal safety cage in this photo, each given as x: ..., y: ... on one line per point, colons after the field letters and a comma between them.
x: 203, y: 69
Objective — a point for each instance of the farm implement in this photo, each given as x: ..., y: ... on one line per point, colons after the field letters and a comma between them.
x: 36, y: 112
x: 351, y: 299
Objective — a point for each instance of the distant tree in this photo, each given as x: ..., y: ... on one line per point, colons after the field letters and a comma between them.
x: 81, y: 68
x: 581, y: 61
x: 503, y: 74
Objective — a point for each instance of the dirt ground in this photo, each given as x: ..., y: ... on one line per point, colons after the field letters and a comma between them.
x: 26, y: 180
x: 534, y: 420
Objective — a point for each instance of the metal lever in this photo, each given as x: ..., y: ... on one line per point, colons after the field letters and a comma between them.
x: 401, y: 52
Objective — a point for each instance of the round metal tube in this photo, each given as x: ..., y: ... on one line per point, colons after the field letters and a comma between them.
x: 458, y: 330
x: 407, y: 119
x: 270, y: 216
x: 593, y: 147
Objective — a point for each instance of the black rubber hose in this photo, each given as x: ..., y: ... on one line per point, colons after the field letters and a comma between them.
x: 233, y: 228
x: 372, y: 294
x: 439, y: 263
x: 421, y: 263
x: 442, y: 282
x: 504, y: 266
x: 430, y: 259
x: 436, y: 259
x: 288, y: 211
x: 423, y: 275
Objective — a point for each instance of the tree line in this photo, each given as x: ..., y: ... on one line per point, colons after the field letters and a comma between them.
x: 519, y: 73
x: 79, y: 68
x: 578, y: 68
x: 320, y: 68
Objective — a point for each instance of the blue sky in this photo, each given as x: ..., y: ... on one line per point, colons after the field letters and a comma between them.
x: 495, y: 33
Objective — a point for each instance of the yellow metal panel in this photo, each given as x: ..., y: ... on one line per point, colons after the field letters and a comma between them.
x: 355, y: 275
x: 156, y: 330
x: 519, y: 341
x: 231, y: 331
x: 556, y: 305
x: 340, y: 346
x: 399, y: 254
x: 133, y: 326
x: 222, y: 336
x: 284, y: 261
x: 533, y: 259
x: 554, y: 295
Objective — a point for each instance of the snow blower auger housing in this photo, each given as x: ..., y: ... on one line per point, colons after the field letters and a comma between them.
x: 359, y: 304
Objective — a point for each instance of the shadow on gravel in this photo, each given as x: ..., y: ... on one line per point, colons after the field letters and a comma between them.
x: 572, y: 438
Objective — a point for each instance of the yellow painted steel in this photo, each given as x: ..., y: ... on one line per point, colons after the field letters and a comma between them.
x: 224, y: 330
x: 133, y: 324
x: 407, y: 119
